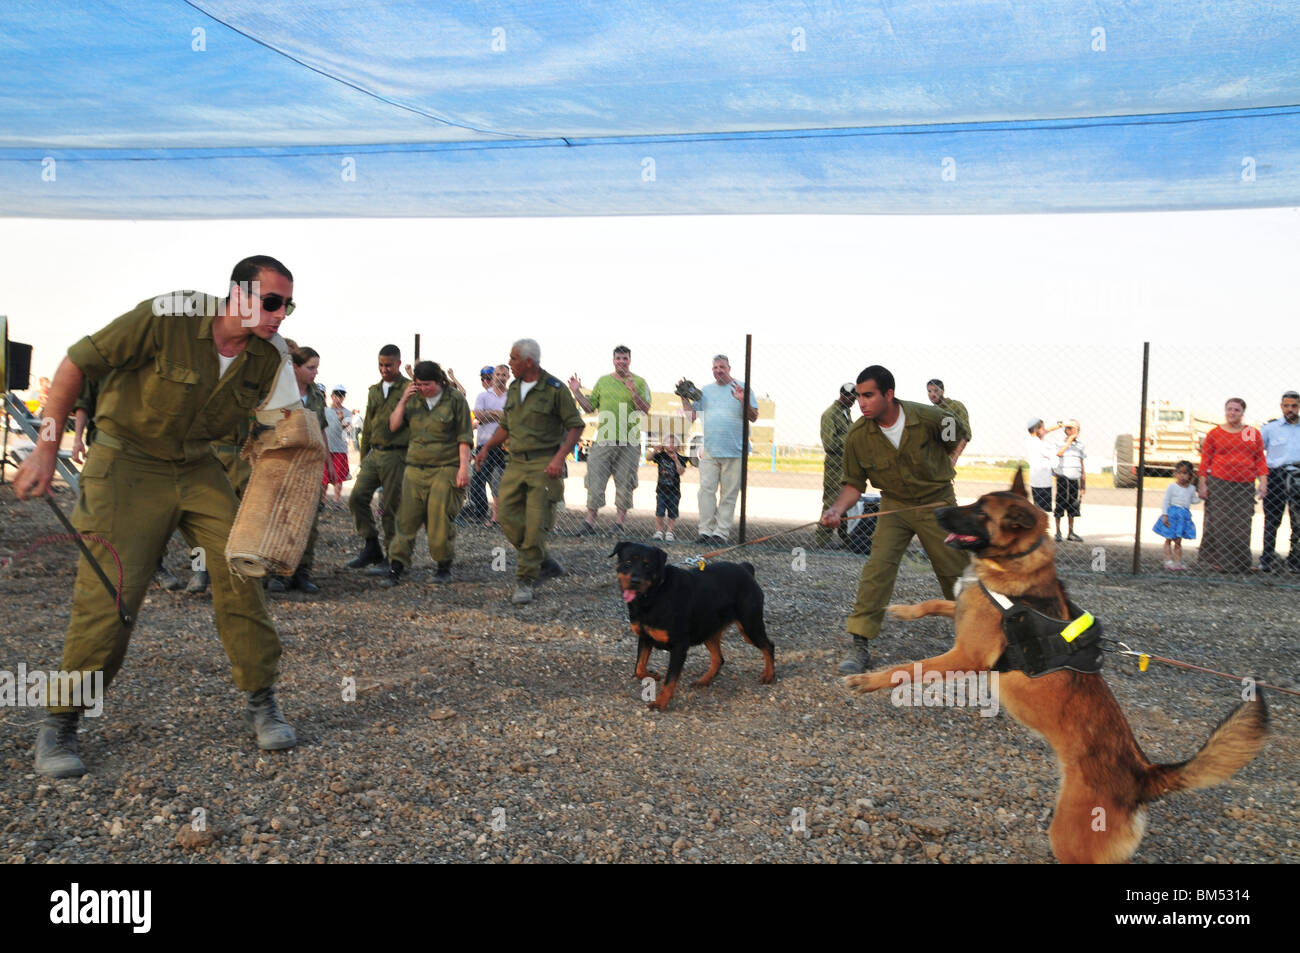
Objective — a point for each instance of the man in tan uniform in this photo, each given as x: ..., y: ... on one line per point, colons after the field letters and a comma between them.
x: 543, y: 425
x: 184, y: 369
x: 905, y: 450
x: 383, y: 458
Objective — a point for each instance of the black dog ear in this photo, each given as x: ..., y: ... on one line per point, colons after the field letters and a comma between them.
x: 661, y: 563
x: 618, y: 548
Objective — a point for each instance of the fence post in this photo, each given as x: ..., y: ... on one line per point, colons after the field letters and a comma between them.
x: 1142, y: 458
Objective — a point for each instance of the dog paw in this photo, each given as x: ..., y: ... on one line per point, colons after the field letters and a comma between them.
x: 861, y: 683
x: 767, y: 678
x: 647, y: 674
x: 703, y: 682
x: 901, y: 611
x: 658, y: 705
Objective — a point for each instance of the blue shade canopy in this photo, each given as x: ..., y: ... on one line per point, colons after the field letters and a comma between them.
x: 256, y: 108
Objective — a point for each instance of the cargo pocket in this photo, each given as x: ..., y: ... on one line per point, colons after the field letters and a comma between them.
x: 96, y: 503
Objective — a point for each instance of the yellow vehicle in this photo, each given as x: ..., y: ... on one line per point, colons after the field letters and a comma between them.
x: 1173, y: 433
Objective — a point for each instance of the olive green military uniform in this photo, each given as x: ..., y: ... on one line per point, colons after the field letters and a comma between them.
x: 537, y: 426
x: 86, y: 400
x: 429, y: 492
x: 383, y: 458
x: 151, y: 470
x: 958, y: 409
x: 835, y: 427
x: 228, y: 450
x: 919, y: 471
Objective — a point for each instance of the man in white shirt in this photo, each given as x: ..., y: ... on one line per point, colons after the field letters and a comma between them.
x: 1041, y: 457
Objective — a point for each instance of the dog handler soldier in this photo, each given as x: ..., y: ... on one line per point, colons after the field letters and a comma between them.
x: 383, y: 458
x: 437, y: 469
x: 177, y: 372
x: 543, y: 424
x: 906, y: 451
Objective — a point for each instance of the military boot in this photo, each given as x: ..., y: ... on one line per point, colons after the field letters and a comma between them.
x: 56, y: 747
x: 551, y: 569
x: 276, y: 584
x: 303, y: 582
x: 265, y: 721
x: 198, y: 583
x: 370, y: 554
x: 394, y: 575
x: 443, y: 573
x: 859, y: 658
x: 166, y: 579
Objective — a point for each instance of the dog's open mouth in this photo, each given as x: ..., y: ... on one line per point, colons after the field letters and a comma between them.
x: 960, y: 539
x: 629, y: 595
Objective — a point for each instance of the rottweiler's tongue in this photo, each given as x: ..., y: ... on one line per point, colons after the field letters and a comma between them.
x: 629, y: 595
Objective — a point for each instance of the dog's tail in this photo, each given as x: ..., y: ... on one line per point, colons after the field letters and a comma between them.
x: 1230, y: 747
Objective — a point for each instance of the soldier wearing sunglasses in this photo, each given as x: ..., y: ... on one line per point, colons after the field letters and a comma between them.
x: 176, y: 373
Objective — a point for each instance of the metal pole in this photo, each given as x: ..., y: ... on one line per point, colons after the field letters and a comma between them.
x: 744, y: 436
x: 417, y: 348
x: 1142, y: 458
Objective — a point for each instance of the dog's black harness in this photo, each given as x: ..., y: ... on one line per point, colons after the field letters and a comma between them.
x: 1039, y: 644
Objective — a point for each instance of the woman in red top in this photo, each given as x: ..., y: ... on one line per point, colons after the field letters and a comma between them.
x: 1233, y: 456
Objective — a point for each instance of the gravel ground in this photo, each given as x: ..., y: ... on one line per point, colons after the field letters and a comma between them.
x: 484, y: 732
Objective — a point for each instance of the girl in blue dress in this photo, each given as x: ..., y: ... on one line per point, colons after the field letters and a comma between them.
x: 1175, y: 523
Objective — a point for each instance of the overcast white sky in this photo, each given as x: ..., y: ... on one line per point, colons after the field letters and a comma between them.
x: 1018, y: 314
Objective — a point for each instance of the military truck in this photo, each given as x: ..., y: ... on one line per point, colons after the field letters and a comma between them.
x: 1173, y: 433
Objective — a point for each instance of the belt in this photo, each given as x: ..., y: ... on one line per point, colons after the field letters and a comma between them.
x: 533, y: 454
x: 391, y: 446
x: 434, y: 466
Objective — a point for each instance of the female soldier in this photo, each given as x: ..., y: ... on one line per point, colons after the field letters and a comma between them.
x: 437, y: 469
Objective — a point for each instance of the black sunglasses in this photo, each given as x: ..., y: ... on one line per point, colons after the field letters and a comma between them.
x: 274, y: 302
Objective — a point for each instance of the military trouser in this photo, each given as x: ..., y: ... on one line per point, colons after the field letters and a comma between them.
x: 831, y: 487
x: 893, y: 533
x: 429, y: 497
x: 379, y: 468
x: 136, y: 502
x: 526, y: 509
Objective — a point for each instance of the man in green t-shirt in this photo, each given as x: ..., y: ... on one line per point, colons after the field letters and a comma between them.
x: 619, y: 400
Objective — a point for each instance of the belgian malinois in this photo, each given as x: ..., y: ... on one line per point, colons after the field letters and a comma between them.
x: 1106, y: 779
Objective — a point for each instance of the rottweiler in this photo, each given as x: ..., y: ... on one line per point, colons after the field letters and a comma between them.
x: 673, y: 609
x: 1106, y: 779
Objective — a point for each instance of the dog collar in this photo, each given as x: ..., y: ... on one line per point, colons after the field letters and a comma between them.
x: 1038, y: 644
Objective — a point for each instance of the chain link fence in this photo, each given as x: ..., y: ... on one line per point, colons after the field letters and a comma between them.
x: 1100, y: 386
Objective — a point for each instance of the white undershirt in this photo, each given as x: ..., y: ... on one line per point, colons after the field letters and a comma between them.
x: 387, y: 386
x: 524, y: 388
x: 224, y: 363
x: 895, y: 433
x: 432, y: 402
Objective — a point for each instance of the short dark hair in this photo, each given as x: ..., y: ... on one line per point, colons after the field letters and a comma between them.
x: 936, y: 382
x: 248, y: 269
x: 429, y: 371
x: 1235, y: 400
x: 390, y: 350
x: 883, y: 378
x: 623, y: 349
